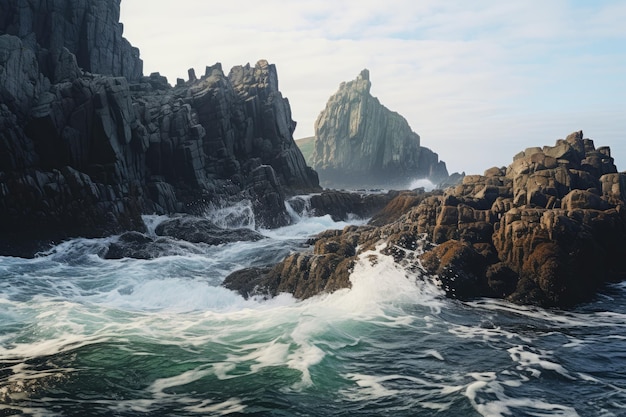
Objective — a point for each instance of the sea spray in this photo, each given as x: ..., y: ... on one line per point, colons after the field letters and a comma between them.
x: 232, y: 216
x: 424, y: 183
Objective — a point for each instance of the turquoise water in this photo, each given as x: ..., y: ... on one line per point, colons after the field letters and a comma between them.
x: 84, y: 336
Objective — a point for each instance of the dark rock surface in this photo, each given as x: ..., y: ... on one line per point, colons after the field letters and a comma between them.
x: 359, y: 143
x: 141, y: 246
x: 199, y: 230
x: 88, y: 144
x: 245, y: 281
x: 342, y: 205
x: 70, y: 34
x: 549, y: 229
x: 176, y: 235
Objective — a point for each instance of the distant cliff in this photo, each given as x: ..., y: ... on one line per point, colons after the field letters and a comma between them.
x: 88, y: 144
x: 361, y: 143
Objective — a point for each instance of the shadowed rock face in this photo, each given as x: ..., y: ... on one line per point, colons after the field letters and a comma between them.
x: 359, y: 143
x: 88, y: 144
x: 65, y: 33
x: 548, y: 230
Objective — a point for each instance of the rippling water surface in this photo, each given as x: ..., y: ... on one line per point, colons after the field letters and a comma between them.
x: 84, y: 336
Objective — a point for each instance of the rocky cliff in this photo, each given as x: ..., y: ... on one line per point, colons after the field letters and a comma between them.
x: 88, y: 144
x: 360, y: 143
x: 549, y: 229
x: 61, y: 32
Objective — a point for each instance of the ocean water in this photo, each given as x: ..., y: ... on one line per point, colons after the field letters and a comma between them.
x: 84, y: 336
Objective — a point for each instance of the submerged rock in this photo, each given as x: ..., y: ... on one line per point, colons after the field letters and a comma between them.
x: 549, y: 229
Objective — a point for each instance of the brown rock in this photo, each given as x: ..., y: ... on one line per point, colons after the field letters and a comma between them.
x: 583, y: 199
x: 459, y: 267
x: 534, y: 236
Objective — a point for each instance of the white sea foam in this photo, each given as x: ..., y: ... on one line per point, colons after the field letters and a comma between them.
x: 168, y: 300
x: 435, y: 354
x: 420, y: 392
x: 530, y: 360
x: 488, y: 397
x: 207, y: 407
x: 232, y: 216
x: 557, y: 318
x: 308, y: 226
x: 152, y: 221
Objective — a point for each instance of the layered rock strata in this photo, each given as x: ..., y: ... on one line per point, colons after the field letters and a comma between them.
x: 88, y: 144
x: 549, y: 229
x: 359, y: 143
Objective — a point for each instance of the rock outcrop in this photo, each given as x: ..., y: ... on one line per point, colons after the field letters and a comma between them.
x: 70, y: 34
x: 359, y: 143
x: 176, y: 235
x: 549, y: 229
x: 88, y: 144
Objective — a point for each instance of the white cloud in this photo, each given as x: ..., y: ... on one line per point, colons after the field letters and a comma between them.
x: 478, y: 80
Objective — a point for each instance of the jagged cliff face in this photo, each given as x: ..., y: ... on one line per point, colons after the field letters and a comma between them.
x: 359, y: 142
x: 88, y: 144
x: 89, y: 30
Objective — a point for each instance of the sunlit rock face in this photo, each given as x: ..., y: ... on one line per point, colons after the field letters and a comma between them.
x: 88, y: 144
x: 360, y: 143
x: 549, y: 230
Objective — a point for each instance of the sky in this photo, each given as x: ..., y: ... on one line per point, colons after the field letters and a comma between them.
x: 478, y: 80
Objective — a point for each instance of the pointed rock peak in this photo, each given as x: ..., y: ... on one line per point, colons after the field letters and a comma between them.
x: 214, y: 69
x: 362, y: 83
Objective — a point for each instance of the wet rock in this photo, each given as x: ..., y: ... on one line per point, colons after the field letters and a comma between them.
x: 342, y: 205
x: 248, y: 282
x: 459, y: 267
x: 541, y: 231
x: 199, y: 230
x: 137, y: 245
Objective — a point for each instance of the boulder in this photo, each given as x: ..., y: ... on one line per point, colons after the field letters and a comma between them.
x: 199, y: 230
x: 341, y: 205
x: 141, y: 246
x: 248, y: 282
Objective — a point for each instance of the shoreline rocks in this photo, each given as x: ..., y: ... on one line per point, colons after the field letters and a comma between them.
x: 547, y: 230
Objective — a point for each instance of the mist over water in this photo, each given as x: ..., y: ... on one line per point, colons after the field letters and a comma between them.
x: 81, y: 335
x: 427, y: 185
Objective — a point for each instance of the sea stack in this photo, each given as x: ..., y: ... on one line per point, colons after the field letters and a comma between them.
x: 359, y: 143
